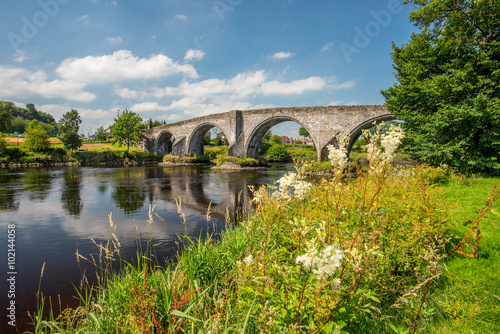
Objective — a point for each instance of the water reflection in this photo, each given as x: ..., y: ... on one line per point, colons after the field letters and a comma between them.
x: 8, y: 190
x: 37, y: 184
x: 70, y: 192
x: 128, y: 193
x: 58, y: 210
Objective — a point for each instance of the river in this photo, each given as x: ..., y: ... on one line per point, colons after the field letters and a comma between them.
x: 47, y: 214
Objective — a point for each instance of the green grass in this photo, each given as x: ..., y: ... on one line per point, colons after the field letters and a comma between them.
x: 468, y: 299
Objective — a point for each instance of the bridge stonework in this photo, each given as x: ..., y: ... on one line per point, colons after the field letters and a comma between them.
x: 245, y: 129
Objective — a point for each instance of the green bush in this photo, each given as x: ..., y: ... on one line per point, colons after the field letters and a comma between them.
x: 3, y: 144
x: 277, y: 152
x: 244, y: 162
x: 213, y: 152
x: 183, y: 159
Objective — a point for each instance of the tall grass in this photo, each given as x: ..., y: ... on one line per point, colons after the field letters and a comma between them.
x: 375, y: 253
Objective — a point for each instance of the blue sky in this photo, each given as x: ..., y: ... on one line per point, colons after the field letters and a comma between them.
x: 177, y: 59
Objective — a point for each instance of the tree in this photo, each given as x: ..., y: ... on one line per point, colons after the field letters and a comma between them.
x: 19, y: 125
x: 100, y: 134
x: 447, y: 88
x: 37, y: 139
x: 3, y: 144
x: 275, y: 139
x: 267, y: 136
x: 304, y: 133
x: 205, y: 140
x: 6, y: 117
x: 69, y: 124
x: 128, y: 128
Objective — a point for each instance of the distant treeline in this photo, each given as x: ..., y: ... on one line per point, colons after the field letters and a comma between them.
x: 17, y: 119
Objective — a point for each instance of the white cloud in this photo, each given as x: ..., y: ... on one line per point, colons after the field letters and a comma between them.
x: 327, y: 46
x: 181, y: 17
x: 20, y: 56
x: 221, y: 95
x: 84, y: 18
x: 343, y: 85
x: 121, y: 65
x: 23, y: 83
x: 282, y: 55
x: 294, y: 87
x: 194, y: 54
x: 115, y: 40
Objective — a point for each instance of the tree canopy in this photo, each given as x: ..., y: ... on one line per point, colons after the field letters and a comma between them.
x: 69, y: 124
x: 128, y: 128
x: 304, y: 133
x: 100, y: 134
x: 447, y: 85
x: 37, y: 139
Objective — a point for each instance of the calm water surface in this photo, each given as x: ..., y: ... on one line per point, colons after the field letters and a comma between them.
x: 58, y: 211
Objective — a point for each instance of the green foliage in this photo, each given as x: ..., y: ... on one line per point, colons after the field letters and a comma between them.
x: 275, y: 139
x: 69, y: 124
x: 6, y: 117
x: 302, y: 153
x: 206, y: 140
x: 37, y: 139
x: 447, y: 90
x: 22, y: 116
x: 19, y: 125
x: 100, y: 134
x: 213, y: 152
x: 244, y: 162
x: 3, y: 144
x: 277, y: 152
x: 304, y: 133
x: 128, y: 128
x: 186, y: 159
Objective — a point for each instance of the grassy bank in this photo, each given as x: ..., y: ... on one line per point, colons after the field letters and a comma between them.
x: 374, y: 254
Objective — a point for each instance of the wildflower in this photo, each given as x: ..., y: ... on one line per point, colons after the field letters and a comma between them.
x: 248, y: 260
x: 302, y: 188
x: 338, y: 157
x: 292, y: 184
x: 324, y: 264
x: 284, y: 186
x: 390, y: 142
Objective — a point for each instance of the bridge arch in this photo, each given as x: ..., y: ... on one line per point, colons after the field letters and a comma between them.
x: 252, y: 147
x: 354, y: 133
x: 164, y: 142
x: 195, y: 145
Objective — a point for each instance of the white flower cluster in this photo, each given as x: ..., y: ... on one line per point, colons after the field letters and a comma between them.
x: 324, y: 264
x: 338, y: 155
x: 248, y: 260
x: 390, y: 142
x: 292, y: 184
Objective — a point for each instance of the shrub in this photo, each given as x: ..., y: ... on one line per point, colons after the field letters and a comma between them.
x: 213, y: 152
x: 277, y: 152
x: 244, y: 162
x: 37, y: 139
x: 3, y: 144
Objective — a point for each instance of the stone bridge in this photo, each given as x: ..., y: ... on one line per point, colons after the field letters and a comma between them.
x: 245, y: 129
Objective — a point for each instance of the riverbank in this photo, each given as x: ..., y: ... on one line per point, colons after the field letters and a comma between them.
x: 334, y: 256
